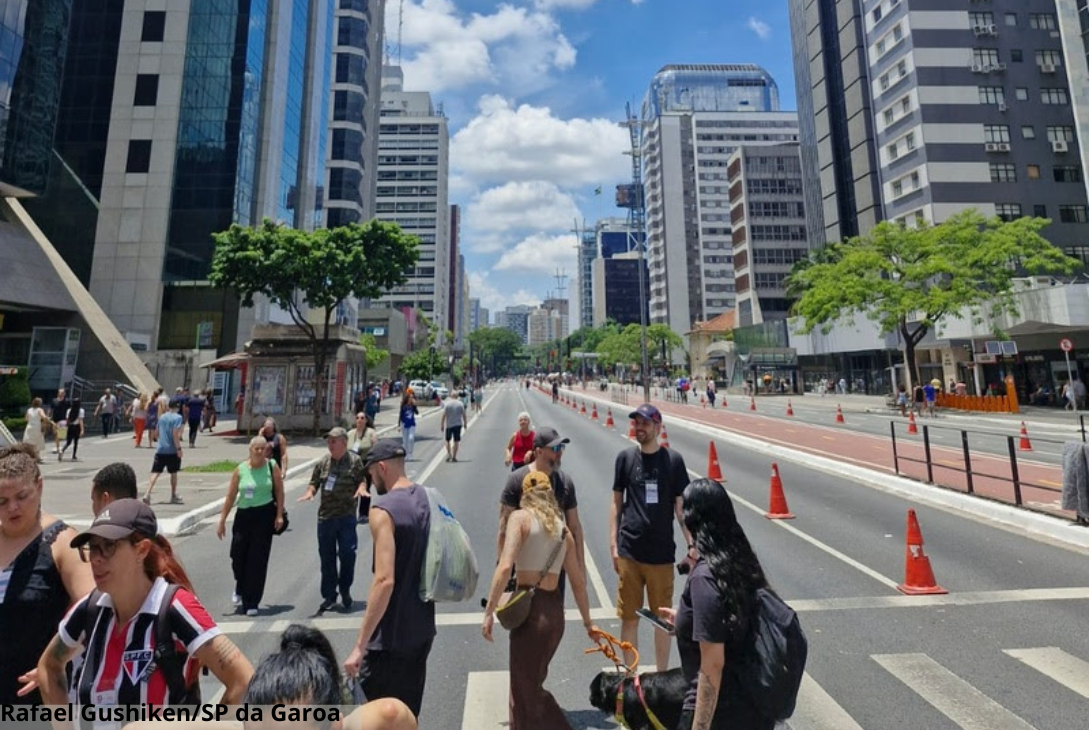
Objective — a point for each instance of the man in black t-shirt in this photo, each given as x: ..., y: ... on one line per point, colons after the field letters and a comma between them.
x: 648, y: 485
x: 61, y: 404
x: 547, y: 454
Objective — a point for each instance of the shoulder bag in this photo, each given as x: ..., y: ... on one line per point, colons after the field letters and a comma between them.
x: 514, y: 605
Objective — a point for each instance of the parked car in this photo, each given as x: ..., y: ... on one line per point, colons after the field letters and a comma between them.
x: 435, y: 388
x: 419, y: 387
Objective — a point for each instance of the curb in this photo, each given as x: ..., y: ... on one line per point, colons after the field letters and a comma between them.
x: 187, y: 523
x: 1052, y: 529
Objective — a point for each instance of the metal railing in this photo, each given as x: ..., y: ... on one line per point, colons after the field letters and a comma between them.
x: 939, y: 469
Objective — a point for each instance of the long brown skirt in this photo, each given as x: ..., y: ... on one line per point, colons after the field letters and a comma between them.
x: 532, y: 646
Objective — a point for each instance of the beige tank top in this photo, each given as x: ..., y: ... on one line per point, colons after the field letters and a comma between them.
x: 538, y: 546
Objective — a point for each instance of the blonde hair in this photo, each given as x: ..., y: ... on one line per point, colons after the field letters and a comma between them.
x: 539, y: 500
x: 143, y: 400
x: 258, y: 441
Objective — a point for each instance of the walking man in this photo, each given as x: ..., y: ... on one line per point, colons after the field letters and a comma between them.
x: 648, y: 485
x: 194, y: 410
x: 112, y: 482
x: 61, y: 404
x: 394, y: 641
x: 340, y: 478
x: 107, y: 406
x: 454, y: 418
x: 168, y: 452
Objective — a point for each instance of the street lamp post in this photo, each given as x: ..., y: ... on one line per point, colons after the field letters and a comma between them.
x: 431, y: 364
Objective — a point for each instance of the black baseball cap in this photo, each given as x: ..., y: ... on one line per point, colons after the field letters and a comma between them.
x: 384, y: 449
x: 121, y: 518
x: 547, y: 437
x: 647, y: 411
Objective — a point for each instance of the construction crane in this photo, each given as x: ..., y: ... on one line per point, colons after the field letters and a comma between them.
x: 390, y: 58
x: 631, y: 197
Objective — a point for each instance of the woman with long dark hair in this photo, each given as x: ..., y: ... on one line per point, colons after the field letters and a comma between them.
x: 717, y: 613
x: 74, y: 421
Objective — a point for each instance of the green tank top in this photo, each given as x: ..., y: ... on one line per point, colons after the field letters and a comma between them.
x: 254, y: 486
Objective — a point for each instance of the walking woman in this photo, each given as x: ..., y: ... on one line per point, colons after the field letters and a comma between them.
x: 717, y: 613
x: 75, y: 429
x: 363, y: 436
x: 151, y: 422
x: 277, y: 444
x: 135, y: 568
x: 138, y: 412
x: 40, y: 576
x: 520, y: 443
x: 406, y: 422
x: 257, y: 489
x: 208, y: 418
x: 533, y: 533
x: 35, y: 427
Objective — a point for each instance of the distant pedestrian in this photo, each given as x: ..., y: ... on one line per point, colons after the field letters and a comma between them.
x: 208, y: 421
x: 711, y: 391
x: 112, y: 482
x: 340, y: 479
x: 555, y: 390
x: 476, y: 398
x: 34, y: 433
x: 277, y: 444
x: 406, y: 422
x: 73, y: 424
x: 373, y: 404
x: 105, y: 410
x: 902, y: 400
x: 918, y: 399
x: 454, y: 419
x: 138, y: 413
x: 394, y: 640
x: 168, y: 453
x: 520, y: 444
x: 58, y: 414
x: 648, y: 485
x: 1070, y: 398
x: 930, y: 395
x: 151, y: 424
x: 843, y: 386
x: 257, y: 490
x: 194, y: 412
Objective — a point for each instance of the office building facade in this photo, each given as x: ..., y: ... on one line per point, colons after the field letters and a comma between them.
x: 352, y: 146
x: 924, y: 110
x: 413, y: 168
x: 616, y: 289
x: 456, y: 272
x: 768, y: 216
x: 584, y: 281
x: 695, y: 117
x: 516, y: 319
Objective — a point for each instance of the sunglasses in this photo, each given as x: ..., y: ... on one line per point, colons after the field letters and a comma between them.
x: 105, y: 549
x: 558, y: 448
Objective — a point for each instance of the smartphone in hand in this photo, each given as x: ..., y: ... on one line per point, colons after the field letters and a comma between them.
x: 659, y: 623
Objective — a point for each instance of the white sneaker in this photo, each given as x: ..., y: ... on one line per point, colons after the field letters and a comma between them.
x: 236, y: 600
x: 251, y: 612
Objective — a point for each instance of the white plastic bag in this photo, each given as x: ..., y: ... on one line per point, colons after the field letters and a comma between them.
x: 449, y: 570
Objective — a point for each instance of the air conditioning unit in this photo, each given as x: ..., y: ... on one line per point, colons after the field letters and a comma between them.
x: 979, y: 29
x: 992, y: 29
x: 977, y: 68
x: 1003, y: 146
x: 1060, y: 145
x: 1047, y: 68
x: 991, y: 146
x: 998, y: 67
x: 1002, y: 106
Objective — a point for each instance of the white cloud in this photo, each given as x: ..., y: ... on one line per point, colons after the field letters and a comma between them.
x: 541, y: 254
x: 482, y: 288
x: 512, y: 48
x: 571, y: 4
x: 505, y: 143
x: 497, y: 213
x: 760, y: 28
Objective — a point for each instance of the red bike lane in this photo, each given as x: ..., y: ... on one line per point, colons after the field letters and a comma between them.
x: 991, y: 475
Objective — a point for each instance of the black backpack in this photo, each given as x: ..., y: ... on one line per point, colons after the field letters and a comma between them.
x: 770, y: 672
x: 166, y: 655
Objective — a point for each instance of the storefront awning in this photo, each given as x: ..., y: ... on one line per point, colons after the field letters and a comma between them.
x: 228, y: 362
x: 1035, y: 327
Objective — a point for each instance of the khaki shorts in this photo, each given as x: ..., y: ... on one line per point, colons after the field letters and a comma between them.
x: 658, y: 580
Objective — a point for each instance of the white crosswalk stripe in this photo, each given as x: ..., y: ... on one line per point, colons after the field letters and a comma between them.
x: 1067, y: 670
x: 816, y: 710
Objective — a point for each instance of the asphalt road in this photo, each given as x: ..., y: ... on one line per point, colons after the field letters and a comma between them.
x: 1003, y: 650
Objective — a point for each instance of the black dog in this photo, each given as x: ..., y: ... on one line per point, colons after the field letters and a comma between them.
x: 664, y: 693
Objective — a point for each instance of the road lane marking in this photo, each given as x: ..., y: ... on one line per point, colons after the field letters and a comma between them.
x: 486, y: 701
x: 949, y: 694
x: 1067, y: 670
x: 816, y: 710
x: 812, y: 540
x: 351, y: 623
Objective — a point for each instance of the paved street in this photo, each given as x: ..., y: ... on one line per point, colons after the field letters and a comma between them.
x: 1001, y: 651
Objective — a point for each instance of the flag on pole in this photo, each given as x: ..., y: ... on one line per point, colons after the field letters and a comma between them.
x: 597, y: 190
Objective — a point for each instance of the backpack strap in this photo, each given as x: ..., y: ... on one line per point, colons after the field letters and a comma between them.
x: 167, y: 655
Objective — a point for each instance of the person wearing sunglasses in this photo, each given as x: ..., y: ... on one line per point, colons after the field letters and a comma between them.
x: 548, y: 450
x: 117, y: 628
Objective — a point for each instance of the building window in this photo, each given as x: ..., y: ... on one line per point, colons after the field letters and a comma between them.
x: 1008, y: 211
x: 1028, y: 132
x: 154, y: 26
x: 984, y: 56
x: 1021, y: 93
x: 147, y: 90
x: 877, y: 14
x: 905, y: 105
x: 1054, y: 96
x: 1039, y: 211
x: 1050, y: 58
x: 1011, y: 19
x: 897, y: 34
x: 1060, y: 134
x: 996, y: 133
x: 1073, y: 214
x: 889, y: 116
x: 885, y: 82
x: 881, y: 47
x: 1003, y: 172
x: 1068, y: 174
x: 909, y: 141
x: 1042, y: 21
x: 1033, y: 172
x: 1016, y: 55
x: 139, y: 159
x: 992, y: 95
x: 977, y: 19
x: 902, y: 68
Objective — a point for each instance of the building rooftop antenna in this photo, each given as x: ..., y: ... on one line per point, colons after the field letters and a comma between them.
x: 400, y: 27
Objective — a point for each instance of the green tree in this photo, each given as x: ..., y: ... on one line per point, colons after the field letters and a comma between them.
x: 375, y: 354
x: 495, y: 344
x: 417, y: 366
x: 15, y: 391
x: 621, y: 348
x: 311, y: 273
x: 908, y: 279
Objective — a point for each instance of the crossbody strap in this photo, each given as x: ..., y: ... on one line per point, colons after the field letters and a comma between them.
x: 552, y: 557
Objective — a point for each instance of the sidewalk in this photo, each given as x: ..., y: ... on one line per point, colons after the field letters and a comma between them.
x: 67, y: 492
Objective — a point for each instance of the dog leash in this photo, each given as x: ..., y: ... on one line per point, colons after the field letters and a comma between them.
x: 607, y: 644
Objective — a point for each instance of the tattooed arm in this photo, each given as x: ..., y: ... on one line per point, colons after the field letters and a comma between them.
x: 229, y: 665
x: 712, y: 659
x: 51, y: 678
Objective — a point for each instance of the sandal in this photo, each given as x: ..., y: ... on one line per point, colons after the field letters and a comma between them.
x: 176, y: 500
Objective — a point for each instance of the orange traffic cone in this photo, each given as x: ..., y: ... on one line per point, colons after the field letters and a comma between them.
x: 1026, y: 445
x: 583, y: 410
x: 752, y: 403
x: 778, y: 509
x: 665, y: 438
x: 790, y: 408
x: 714, y: 471
x: 912, y: 427
x: 631, y: 428
x: 918, y: 575
x: 609, y: 423
x: 839, y: 415
x: 593, y: 416
x: 574, y: 405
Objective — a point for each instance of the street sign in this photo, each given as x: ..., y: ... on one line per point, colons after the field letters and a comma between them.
x: 1066, y: 345
x: 9, y: 371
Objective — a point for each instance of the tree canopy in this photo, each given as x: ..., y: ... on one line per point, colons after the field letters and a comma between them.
x: 312, y: 270
x: 908, y: 279
x: 499, y: 343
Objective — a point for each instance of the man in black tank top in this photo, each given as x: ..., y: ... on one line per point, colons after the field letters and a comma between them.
x: 394, y: 641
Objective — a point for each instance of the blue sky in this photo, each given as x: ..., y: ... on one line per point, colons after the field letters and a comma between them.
x: 533, y: 90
